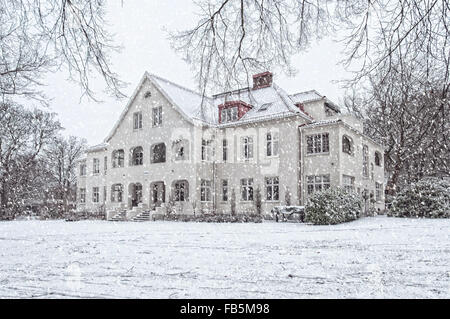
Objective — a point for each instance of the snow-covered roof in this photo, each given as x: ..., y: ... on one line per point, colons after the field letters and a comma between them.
x: 98, y: 147
x: 191, y: 103
x: 267, y: 103
x: 307, y: 96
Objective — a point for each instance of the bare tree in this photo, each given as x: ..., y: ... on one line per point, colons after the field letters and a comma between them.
x: 23, y: 136
x: 37, y: 36
x: 233, y: 38
x: 410, y: 117
x: 60, y: 158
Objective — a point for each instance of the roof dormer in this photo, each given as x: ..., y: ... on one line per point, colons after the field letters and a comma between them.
x: 231, y: 111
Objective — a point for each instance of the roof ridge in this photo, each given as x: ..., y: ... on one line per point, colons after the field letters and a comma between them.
x: 178, y: 85
x: 308, y: 91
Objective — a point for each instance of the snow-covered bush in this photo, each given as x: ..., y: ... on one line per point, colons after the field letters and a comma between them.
x: 429, y: 198
x: 332, y: 206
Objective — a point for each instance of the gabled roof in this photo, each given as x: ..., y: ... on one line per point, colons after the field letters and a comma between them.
x: 267, y: 103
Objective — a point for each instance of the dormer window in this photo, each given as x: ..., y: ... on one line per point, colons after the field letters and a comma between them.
x: 229, y: 115
x: 231, y: 111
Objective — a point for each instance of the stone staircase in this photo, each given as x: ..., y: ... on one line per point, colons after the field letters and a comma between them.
x: 118, y: 217
x: 142, y: 217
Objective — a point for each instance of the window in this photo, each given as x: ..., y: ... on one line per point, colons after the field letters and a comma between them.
x: 116, y: 193
x: 137, y: 120
x: 105, y: 164
x: 224, y: 190
x: 181, y: 191
x: 349, y: 183
x: 317, y: 183
x: 229, y: 114
x: 318, y: 143
x: 137, y: 156
x: 83, y: 169
x: 378, y: 191
x: 96, y: 166
x: 118, y: 158
x: 158, y: 153
x: 138, y: 194
x: 82, y: 195
x: 104, y: 194
x: 371, y: 171
x: 157, y: 116
x: 205, y: 191
x: 272, y: 188
x: 180, y: 149
x: 347, y: 145
x: 377, y: 159
x: 224, y: 150
x: 247, y: 189
x: 272, y: 144
x: 95, y: 195
x: 147, y: 94
x: 247, y: 147
x: 207, y: 150
x: 365, y: 161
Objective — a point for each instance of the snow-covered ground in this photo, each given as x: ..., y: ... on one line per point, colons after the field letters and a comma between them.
x: 375, y: 257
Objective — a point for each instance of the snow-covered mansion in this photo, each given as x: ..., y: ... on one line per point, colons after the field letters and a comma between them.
x: 171, y: 146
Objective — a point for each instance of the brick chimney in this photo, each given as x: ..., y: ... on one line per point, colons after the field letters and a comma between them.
x: 262, y: 80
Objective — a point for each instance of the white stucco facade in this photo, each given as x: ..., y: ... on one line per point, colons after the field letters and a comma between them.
x: 207, y: 175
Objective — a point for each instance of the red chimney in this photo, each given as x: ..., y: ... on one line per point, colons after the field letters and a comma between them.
x: 262, y: 80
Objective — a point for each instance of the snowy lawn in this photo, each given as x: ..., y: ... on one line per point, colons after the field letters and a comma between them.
x: 374, y: 257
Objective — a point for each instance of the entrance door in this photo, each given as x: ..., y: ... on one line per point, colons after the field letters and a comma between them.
x: 157, y: 194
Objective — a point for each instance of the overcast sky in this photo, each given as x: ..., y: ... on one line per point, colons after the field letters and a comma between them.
x: 139, y: 29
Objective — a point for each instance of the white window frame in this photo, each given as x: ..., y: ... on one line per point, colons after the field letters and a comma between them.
x: 207, y: 150
x: 137, y: 120
x: 365, y: 153
x: 181, y: 191
x: 83, y: 169
x: 247, y: 192
x: 318, y: 143
x: 95, y: 194
x: 272, y: 189
x: 224, y: 190
x: 157, y: 116
x: 247, y: 151
x: 95, y: 166
x: 117, y: 193
x: 378, y: 192
x: 272, y: 144
x: 225, y: 150
x: 118, y: 158
x: 82, y: 195
x: 317, y: 183
x: 205, y: 191
x: 348, y: 183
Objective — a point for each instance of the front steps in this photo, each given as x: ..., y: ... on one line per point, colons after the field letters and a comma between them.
x: 121, y: 216
x: 142, y: 217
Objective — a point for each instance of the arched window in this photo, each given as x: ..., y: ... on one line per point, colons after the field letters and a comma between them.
x: 118, y: 157
x: 116, y: 193
x: 347, y: 145
x: 377, y: 159
x: 180, y: 191
x: 137, y: 156
x: 181, y: 149
x: 158, y: 153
